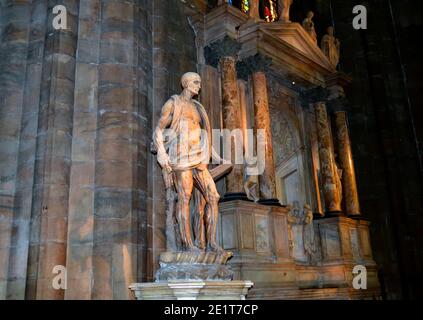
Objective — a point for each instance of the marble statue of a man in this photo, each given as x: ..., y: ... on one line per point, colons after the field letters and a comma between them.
x: 331, y: 47
x: 308, y: 25
x: 182, y: 140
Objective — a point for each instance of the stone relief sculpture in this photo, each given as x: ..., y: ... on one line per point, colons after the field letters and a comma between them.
x: 303, y: 240
x: 283, y: 8
x: 181, y: 140
x: 331, y: 47
x: 338, y: 182
x: 308, y: 25
x: 311, y: 248
x: 294, y: 219
x: 250, y: 188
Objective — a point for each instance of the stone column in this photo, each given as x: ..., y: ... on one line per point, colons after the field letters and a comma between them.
x: 19, y: 74
x: 255, y: 66
x: 330, y: 183
x: 283, y: 10
x: 222, y: 53
x: 49, y: 217
x: 82, y: 190
x: 347, y: 164
x: 254, y: 9
x: 267, y: 183
x: 118, y: 170
x: 231, y: 118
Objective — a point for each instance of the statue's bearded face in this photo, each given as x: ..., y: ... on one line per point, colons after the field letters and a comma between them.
x: 194, y: 85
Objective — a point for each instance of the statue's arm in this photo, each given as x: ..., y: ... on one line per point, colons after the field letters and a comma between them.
x: 158, y: 139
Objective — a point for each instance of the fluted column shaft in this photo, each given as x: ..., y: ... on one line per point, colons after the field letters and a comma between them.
x: 254, y: 9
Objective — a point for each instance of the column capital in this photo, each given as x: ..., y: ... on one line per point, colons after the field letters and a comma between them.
x: 337, y: 105
x: 226, y: 47
x: 314, y: 95
x: 252, y: 64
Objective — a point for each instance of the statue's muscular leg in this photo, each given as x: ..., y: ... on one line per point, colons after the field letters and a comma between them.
x: 205, y: 183
x: 184, y: 185
x: 199, y: 232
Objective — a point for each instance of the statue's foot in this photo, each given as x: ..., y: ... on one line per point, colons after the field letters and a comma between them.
x: 200, y: 245
x: 193, y: 249
x: 215, y: 248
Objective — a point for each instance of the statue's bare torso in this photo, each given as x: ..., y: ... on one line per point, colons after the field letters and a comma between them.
x: 192, y: 120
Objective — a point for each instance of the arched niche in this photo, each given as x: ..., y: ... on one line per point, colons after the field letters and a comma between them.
x: 289, y: 150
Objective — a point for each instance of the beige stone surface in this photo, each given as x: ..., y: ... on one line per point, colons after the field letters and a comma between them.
x: 192, y: 290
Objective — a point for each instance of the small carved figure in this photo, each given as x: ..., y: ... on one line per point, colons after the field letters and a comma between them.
x: 250, y: 186
x: 308, y: 25
x: 331, y: 46
x: 338, y: 176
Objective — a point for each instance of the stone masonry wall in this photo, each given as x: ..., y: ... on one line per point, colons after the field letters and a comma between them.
x: 79, y: 186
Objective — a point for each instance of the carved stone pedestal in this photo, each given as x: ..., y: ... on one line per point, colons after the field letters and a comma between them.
x: 201, y: 265
x: 258, y: 236
x: 199, y: 275
x: 192, y: 290
x: 269, y: 251
x: 345, y: 243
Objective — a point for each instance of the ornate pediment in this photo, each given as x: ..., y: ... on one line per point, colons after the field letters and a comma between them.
x: 292, y: 50
x: 295, y: 35
x: 289, y: 46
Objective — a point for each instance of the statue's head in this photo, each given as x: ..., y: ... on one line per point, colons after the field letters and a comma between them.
x: 330, y: 31
x: 310, y: 14
x: 191, y: 81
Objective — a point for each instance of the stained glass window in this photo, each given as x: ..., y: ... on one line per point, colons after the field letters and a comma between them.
x: 270, y: 10
x: 243, y: 5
